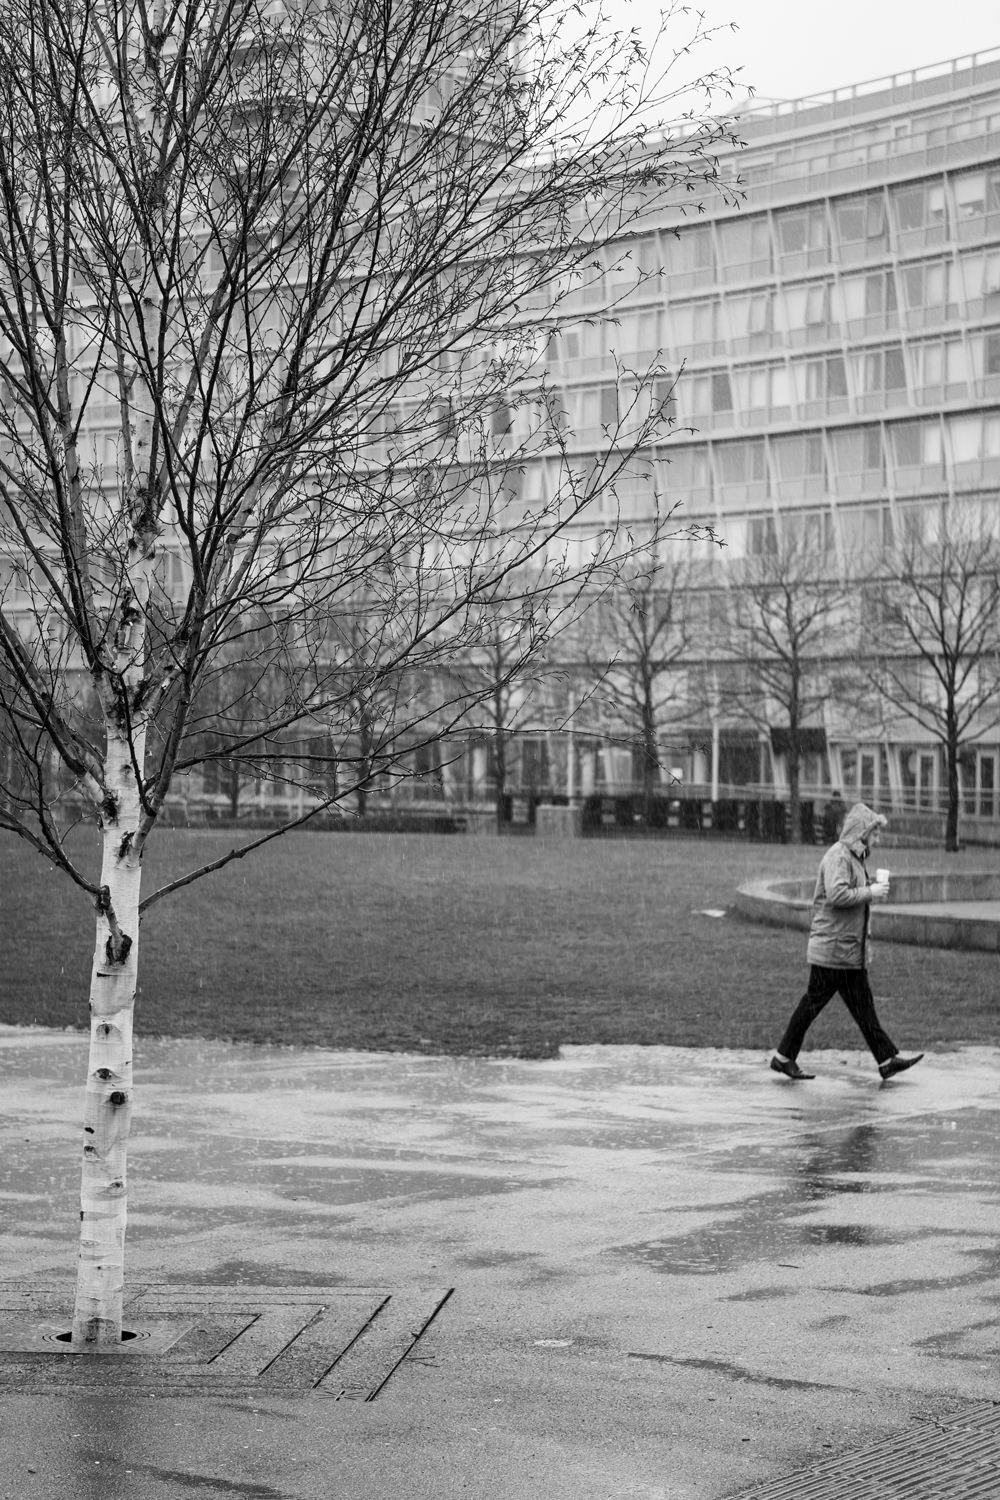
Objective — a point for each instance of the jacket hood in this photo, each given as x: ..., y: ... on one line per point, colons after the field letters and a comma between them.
x: 859, y: 824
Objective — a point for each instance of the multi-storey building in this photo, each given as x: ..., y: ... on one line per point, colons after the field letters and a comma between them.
x: 840, y: 338
x: 836, y: 347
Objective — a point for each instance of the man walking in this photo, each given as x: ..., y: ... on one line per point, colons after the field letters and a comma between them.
x: 837, y: 951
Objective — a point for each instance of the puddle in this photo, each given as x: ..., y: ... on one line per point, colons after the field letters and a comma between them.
x: 823, y: 1169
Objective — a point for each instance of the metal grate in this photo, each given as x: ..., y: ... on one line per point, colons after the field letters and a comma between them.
x: 337, y: 1343
x: 953, y: 1457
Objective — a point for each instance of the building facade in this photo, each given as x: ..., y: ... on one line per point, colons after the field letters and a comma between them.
x: 840, y: 339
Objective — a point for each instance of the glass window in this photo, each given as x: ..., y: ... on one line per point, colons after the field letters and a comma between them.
x: 884, y: 369
x: 836, y: 376
x: 862, y: 221
x: 808, y: 530
x: 865, y: 528
x: 895, y: 369
x: 742, y: 241
x: 760, y: 388
x: 910, y: 207
x: 685, y: 467
x: 704, y: 322
x: 970, y: 194
x: 880, y: 293
x: 906, y: 443
x: 817, y: 304
x: 781, y: 386
x: 609, y: 406
x: 741, y: 463
x: 793, y: 232
x: 798, y: 456
x: 926, y: 285
x: 847, y: 450
x: 690, y: 251
x: 762, y: 535
x: 722, y: 397
x: 966, y: 435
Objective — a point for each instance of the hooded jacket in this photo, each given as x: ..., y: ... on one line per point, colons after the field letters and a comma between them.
x: 838, y: 937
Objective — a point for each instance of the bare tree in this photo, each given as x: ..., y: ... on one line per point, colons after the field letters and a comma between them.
x: 267, y: 275
x: 635, y: 644
x: 934, y: 634
x: 782, y: 644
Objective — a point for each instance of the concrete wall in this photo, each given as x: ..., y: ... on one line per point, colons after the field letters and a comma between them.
x: 788, y: 903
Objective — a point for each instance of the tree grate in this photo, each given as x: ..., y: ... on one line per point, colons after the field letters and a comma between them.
x: 334, y: 1343
x: 953, y: 1457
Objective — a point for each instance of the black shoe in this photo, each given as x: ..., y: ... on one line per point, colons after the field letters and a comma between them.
x: 898, y: 1064
x: 790, y: 1069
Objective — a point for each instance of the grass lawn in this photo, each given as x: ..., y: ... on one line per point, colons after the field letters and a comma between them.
x: 470, y: 945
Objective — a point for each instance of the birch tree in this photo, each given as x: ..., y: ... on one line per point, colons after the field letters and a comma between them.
x: 933, y: 635
x: 267, y: 273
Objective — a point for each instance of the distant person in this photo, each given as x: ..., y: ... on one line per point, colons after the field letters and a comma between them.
x: 833, y: 817
x: 837, y: 951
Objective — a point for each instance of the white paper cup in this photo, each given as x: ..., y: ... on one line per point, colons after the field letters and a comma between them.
x: 882, y: 876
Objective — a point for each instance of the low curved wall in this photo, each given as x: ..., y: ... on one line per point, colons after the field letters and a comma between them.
x: 788, y: 903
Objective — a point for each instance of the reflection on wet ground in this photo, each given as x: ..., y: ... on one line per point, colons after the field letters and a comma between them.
x: 910, y: 1157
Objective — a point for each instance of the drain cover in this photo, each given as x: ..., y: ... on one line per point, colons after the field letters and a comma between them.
x: 953, y: 1457
x: 339, y: 1343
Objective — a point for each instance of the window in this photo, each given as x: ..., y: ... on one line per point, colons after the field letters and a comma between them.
x: 817, y: 304
x: 722, y: 396
x: 918, y: 205
x: 744, y: 242
x: 884, y: 370
x: 826, y: 378
x: 799, y: 456
x: 793, y: 231
x: 759, y: 392
x: 801, y: 230
x: 172, y: 574
x: 856, y: 458
x: 808, y: 530
x: 910, y: 207
x: 750, y: 314
x: 915, y: 444
x: 761, y: 305
x: 925, y: 285
x: 865, y: 530
x: 991, y: 354
x: 690, y: 251
x: 686, y: 468
x: 919, y: 521
x: 501, y: 420
x: 741, y: 463
x: 805, y: 306
x: 690, y: 324
x: 762, y: 535
x: 836, y: 376
x: 970, y: 195
x: 965, y: 438
x: 861, y: 222
x: 880, y: 293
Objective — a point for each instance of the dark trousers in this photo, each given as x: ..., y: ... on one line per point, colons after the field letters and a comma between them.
x: 856, y: 993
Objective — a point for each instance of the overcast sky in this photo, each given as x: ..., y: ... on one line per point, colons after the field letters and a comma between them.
x: 789, y: 48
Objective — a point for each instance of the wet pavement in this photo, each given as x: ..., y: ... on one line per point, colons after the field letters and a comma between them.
x: 673, y: 1275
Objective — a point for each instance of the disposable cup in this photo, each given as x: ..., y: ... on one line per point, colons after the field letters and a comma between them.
x: 882, y: 876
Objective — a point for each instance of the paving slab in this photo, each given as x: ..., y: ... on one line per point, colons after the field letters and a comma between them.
x: 623, y: 1274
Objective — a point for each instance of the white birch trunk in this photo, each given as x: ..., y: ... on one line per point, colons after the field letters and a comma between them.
x: 97, y: 1317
